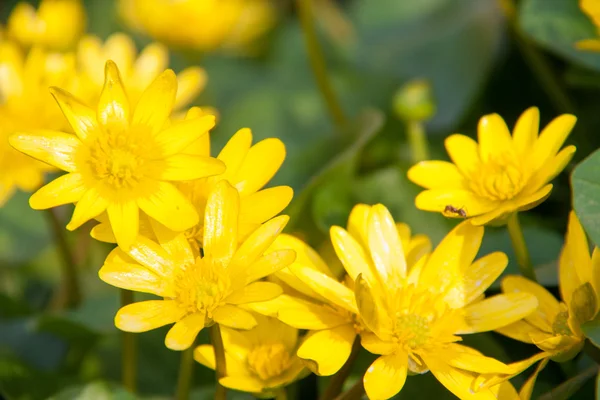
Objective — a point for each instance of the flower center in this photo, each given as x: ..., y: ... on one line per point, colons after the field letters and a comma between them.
x: 117, y: 161
x: 200, y: 287
x: 412, y: 330
x: 269, y: 360
x: 500, y: 178
x: 560, y: 325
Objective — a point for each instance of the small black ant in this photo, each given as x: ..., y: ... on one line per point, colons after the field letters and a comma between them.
x: 458, y: 211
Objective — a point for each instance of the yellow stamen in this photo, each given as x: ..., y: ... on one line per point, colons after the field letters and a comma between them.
x: 269, y: 360
x: 500, y: 178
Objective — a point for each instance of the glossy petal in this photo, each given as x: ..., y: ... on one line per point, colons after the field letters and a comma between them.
x: 493, y: 136
x: 367, y: 306
x: 269, y: 264
x: 328, y: 349
x: 526, y: 131
x: 551, y: 139
x: 265, y: 204
x: 551, y: 169
x: 386, y: 376
x: 153, y: 59
x: 146, y: 315
x: 182, y: 335
x: 498, y: 311
x: 468, y: 359
x: 156, y: 103
x: 548, y: 307
x: 385, y: 247
x: 81, y: 118
x: 258, y: 242
x: 357, y: 224
x: 168, y: 206
x: 234, y: 152
x: 575, y: 261
x: 152, y: 256
x: 205, y: 355
x: 520, y: 330
x: 234, y: 317
x: 113, y: 105
x: 351, y: 254
x: 221, y: 223
x: 190, y: 82
x: 527, y: 389
x: 303, y: 314
x: 242, y: 383
x: 183, y: 167
x: 255, y: 292
x: 373, y: 344
x: 135, y: 277
x: 55, y: 148
x: 125, y: 222
x: 464, y: 153
x: 436, y: 175
x: 89, y: 206
x: 260, y: 165
x: 438, y: 199
x: 181, y: 134
x: 65, y: 189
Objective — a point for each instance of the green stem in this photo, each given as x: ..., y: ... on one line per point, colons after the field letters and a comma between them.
x: 538, y: 64
x: 69, y: 295
x: 355, y: 393
x: 337, y: 381
x: 186, y: 368
x: 220, y: 366
x: 317, y: 62
x: 418, y: 141
x: 129, y: 360
x: 520, y: 247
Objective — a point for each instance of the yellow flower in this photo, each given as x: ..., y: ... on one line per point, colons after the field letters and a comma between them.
x: 204, y: 25
x: 592, y: 9
x: 198, y: 291
x: 26, y: 104
x: 249, y: 168
x: 137, y: 71
x: 327, y: 306
x: 56, y: 25
x: 259, y: 361
x: 122, y: 160
x: 414, y: 316
x: 489, y: 180
x: 556, y: 326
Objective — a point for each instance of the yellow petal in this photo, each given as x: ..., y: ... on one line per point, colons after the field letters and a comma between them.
x: 234, y: 317
x: 80, y: 117
x: 153, y: 59
x: 269, y: 264
x: 373, y: 344
x: 168, y: 206
x: 531, y: 201
x: 113, y: 105
x: 464, y: 152
x: 327, y: 287
x: 302, y: 314
x: 493, y: 137
x: 476, y: 279
x: 520, y: 330
x: 125, y: 222
x: 468, y: 359
x: 135, y: 277
x: 221, y: 223
x: 582, y: 307
x: 234, y: 152
x: 366, y: 303
x: 103, y: 233
x: 89, y: 206
x: 176, y: 245
x: 351, y: 254
x: 190, y: 82
x: 65, y: 189
x: 258, y: 242
x: 260, y: 165
x: 452, y: 256
x: 184, y: 167
x: 155, y: 105
x: 551, y: 169
x: 527, y: 388
x: 254, y: 292
x: 146, y: 315
x: 548, y: 307
x: 551, y: 139
x: 180, y: 135
x: 55, y: 148
x: 526, y: 131
x: 265, y: 204
x: 385, y: 247
x: 386, y: 376
x: 575, y: 261
x: 328, y: 349
x: 498, y: 311
x: 205, y: 355
x: 242, y: 383
x: 436, y: 175
x: 357, y: 224
x: 153, y: 256
x: 183, y: 334
x: 438, y: 199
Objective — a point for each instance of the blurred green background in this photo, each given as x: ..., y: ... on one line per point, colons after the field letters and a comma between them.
x: 476, y: 65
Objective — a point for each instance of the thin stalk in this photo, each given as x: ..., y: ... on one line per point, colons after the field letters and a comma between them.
x: 317, y: 63
x: 520, y: 247
x: 220, y: 366
x: 355, y: 393
x: 417, y: 139
x: 337, y: 381
x: 184, y: 380
x: 129, y: 357
x: 538, y: 63
x: 69, y: 294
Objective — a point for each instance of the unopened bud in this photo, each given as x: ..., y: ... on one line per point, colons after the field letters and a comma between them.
x: 414, y: 101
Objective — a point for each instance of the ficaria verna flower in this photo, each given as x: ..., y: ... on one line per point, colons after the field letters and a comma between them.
x: 137, y: 71
x: 414, y: 316
x: 249, y: 168
x: 204, y: 25
x: 328, y: 307
x: 489, y: 180
x: 122, y: 160
x: 592, y: 9
x: 556, y: 326
x: 26, y: 104
x: 261, y: 360
x: 56, y: 25
x: 199, y: 291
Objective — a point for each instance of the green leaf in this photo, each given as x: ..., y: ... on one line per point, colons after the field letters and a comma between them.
x: 569, y: 387
x: 591, y: 330
x: 558, y: 25
x: 585, y: 182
